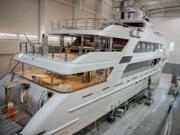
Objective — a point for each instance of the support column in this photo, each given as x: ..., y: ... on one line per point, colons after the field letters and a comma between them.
x: 110, y: 45
x: 77, y: 9
x: 82, y: 40
x: 45, y: 45
x: 99, y: 9
x: 42, y: 24
x: 61, y: 43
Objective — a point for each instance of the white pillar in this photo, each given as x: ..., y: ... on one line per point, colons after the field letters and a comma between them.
x: 43, y: 6
x: 99, y: 8
x: 77, y: 9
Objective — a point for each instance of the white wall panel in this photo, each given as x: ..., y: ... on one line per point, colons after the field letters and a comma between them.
x: 9, y: 46
x: 4, y: 64
x: 89, y: 4
x: 107, y: 9
x: 170, y: 28
x: 58, y: 11
x: 19, y: 16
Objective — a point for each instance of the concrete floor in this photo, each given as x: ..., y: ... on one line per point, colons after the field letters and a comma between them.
x: 142, y: 119
x: 175, y: 130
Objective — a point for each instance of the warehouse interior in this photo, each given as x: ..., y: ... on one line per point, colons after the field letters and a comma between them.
x: 31, y: 20
x: 35, y: 17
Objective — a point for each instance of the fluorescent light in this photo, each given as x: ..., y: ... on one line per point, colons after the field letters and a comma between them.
x: 29, y: 36
x: 16, y: 36
x: 171, y: 46
x: 153, y: 2
x: 8, y: 34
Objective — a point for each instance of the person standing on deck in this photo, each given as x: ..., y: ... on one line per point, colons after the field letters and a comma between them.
x: 1, y: 113
x: 149, y: 86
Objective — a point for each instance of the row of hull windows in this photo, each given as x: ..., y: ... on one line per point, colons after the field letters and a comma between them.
x: 147, y: 47
x: 140, y: 66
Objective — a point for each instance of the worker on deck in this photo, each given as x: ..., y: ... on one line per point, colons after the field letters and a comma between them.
x: 11, y: 110
x: 174, y: 85
x: 171, y: 105
x: 174, y: 79
x: 1, y: 113
x: 149, y: 87
x: 149, y: 82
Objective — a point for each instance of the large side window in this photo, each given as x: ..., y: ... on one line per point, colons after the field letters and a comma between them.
x: 140, y: 66
x: 118, y: 44
x: 64, y: 83
x: 138, y: 47
x: 156, y: 46
x: 152, y: 47
x: 148, y: 47
x: 143, y: 46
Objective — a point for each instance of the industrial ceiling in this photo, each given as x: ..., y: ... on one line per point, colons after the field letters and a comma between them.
x: 162, y: 7
x: 156, y: 8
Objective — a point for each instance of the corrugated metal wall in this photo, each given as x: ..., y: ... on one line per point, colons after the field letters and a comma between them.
x: 8, y: 48
x: 4, y: 64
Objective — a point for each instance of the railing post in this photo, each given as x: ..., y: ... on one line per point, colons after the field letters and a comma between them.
x: 52, y: 26
x: 61, y: 43
x: 111, y: 44
x: 96, y: 23
x: 52, y: 52
x: 75, y: 23
x: 20, y: 46
x: 65, y: 58
x: 42, y: 50
x: 72, y: 23
x: 81, y: 49
x: 59, y: 24
x: 66, y: 23
x: 26, y: 46
x: 33, y: 49
x: 86, y: 24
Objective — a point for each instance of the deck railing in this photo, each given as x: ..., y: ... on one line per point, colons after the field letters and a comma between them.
x: 48, y: 51
x: 81, y: 23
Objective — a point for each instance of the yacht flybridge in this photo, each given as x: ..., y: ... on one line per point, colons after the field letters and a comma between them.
x: 62, y: 88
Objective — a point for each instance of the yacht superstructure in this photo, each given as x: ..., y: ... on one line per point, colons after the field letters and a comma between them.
x: 60, y: 89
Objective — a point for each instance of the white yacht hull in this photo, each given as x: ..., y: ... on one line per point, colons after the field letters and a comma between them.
x: 97, y: 109
x: 66, y: 114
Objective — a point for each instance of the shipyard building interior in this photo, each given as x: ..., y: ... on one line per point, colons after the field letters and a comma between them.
x: 89, y: 67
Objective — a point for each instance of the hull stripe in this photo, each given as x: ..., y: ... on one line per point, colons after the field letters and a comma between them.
x: 107, y: 94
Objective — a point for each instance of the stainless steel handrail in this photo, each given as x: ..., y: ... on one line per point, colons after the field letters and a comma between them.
x: 82, y: 23
x: 37, y: 49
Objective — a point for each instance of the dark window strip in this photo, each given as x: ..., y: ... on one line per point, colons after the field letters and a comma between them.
x: 87, y: 95
x: 125, y: 59
x: 135, y: 78
x: 118, y: 84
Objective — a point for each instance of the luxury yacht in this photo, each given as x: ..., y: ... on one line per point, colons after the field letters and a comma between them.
x: 62, y: 88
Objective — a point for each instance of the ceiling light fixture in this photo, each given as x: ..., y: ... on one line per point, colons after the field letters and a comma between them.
x: 153, y: 2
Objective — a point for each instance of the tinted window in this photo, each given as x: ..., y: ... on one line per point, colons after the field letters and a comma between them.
x: 146, y: 47
x: 118, y: 44
x: 125, y: 59
x: 140, y: 66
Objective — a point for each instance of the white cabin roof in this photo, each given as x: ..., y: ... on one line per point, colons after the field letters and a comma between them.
x: 116, y: 31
